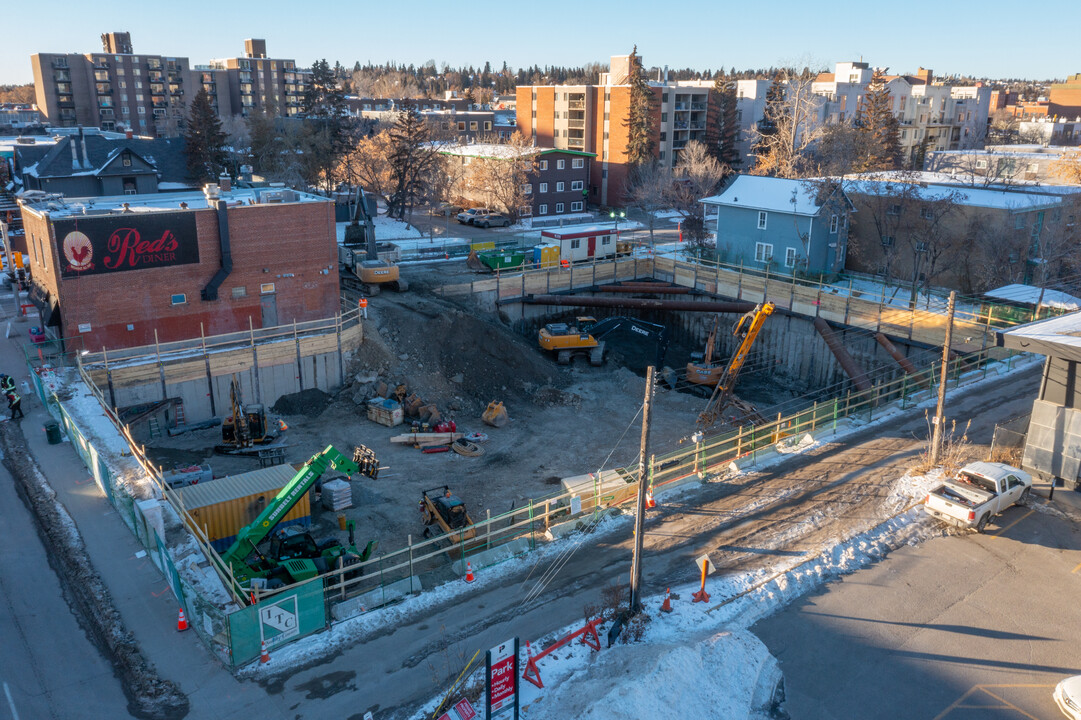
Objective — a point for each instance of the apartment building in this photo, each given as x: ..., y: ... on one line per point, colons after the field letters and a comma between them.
x: 933, y: 115
x: 592, y: 119
x: 118, y: 89
x: 1005, y: 164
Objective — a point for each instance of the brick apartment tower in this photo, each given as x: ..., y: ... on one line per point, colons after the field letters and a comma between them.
x: 592, y: 118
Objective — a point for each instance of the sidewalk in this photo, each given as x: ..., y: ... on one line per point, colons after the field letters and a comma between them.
x: 139, y: 591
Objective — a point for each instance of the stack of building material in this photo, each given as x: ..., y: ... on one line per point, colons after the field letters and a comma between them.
x: 337, y: 495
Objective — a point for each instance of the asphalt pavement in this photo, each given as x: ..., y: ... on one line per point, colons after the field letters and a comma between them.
x: 960, y: 628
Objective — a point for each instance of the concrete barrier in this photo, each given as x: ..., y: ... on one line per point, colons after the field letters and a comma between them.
x: 487, y: 558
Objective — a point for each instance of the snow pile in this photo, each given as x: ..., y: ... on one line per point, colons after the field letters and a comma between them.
x: 913, y: 488
x: 385, y: 229
x: 728, y: 675
x: 793, y: 445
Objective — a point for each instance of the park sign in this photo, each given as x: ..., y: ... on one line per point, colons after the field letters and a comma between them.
x: 501, y: 679
x: 128, y: 241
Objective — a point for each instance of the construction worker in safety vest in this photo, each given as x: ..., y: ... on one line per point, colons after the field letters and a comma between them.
x: 15, y: 405
x: 7, y: 384
x: 364, y: 307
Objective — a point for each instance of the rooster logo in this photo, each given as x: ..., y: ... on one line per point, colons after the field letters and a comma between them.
x: 78, y: 251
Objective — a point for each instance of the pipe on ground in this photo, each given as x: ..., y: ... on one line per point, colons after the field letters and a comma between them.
x: 904, y: 362
x: 851, y: 368
x: 638, y: 303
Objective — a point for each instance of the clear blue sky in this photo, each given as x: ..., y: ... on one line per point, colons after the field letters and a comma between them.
x: 993, y: 38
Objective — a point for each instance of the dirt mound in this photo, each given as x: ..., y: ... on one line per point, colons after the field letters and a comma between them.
x: 306, y: 402
x: 450, y: 357
x: 554, y: 397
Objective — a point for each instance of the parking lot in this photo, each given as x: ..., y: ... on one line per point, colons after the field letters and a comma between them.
x: 963, y: 627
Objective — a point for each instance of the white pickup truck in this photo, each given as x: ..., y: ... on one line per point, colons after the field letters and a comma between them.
x: 980, y: 491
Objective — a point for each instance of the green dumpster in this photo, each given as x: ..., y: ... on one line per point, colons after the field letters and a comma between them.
x: 52, y: 432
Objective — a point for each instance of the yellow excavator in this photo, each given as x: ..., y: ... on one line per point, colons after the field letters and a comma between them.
x: 747, y: 328
x: 586, y: 337
x: 247, y: 425
x: 359, y: 255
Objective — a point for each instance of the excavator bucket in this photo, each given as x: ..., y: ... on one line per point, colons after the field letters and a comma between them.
x: 473, y: 263
x: 495, y: 415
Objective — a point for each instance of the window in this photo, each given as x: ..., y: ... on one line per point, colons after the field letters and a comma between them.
x: 472, y: 124
x: 559, y: 208
x: 1019, y: 222
x: 544, y: 187
x: 605, y: 134
x: 606, y: 116
x: 543, y: 166
x: 578, y: 163
x: 921, y: 247
x: 664, y: 117
x: 762, y: 221
x: 461, y: 125
x: 606, y: 240
x: 927, y: 213
x: 527, y: 189
x: 266, y: 288
x: 179, y: 299
x: 126, y: 160
x: 487, y: 124
x: 239, y: 292
x: 142, y: 110
x: 887, y: 241
x: 542, y: 209
x: 763, y: 252
x: 664, y: 136
x: 559, y: 185
x: 123, y: 84
x: 1033, y: 167
x: 894, y: 210
x: 576, y: 206
x: 560, y: 164
x: 664, y: 97
x: 790, y: 257
x: 660, y: 155
x: 577, y: 184
x: 834, y: 222
x: 576, y: 243
x: 138, y: 85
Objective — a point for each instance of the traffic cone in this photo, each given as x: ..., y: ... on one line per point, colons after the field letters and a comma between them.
x: 181, y: 622
x: 666, y: 606
x: 264, y: 656
x: 650, y: 502
x: 469, y: 572
x: 282, y: 425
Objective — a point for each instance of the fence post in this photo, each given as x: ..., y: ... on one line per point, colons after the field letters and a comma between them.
x: 848, y: 402
x: 547, y: 514
x: 532, y: 536
x: 739, y: 282
x: 409, y: 543
x: 814, y: 415
x: 836, y: 402
x: 488, y: 530
x: 904, y: 390
x: 848, y: 299
x: 739, y: 441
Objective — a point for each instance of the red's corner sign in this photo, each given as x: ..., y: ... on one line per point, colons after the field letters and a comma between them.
x: 113, y: 243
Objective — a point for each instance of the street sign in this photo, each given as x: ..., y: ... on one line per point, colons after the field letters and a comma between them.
x: 705, y: 565
x: 501, y: 678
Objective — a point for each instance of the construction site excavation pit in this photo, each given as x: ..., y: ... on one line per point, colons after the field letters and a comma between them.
x: 564, y: 421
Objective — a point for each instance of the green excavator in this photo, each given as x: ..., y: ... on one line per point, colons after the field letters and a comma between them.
x: 297, y: 557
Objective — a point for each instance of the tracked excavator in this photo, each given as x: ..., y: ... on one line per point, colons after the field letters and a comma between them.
x: 297, y: 557
x: 586, y: 337
x: 747, y: 328
x: 358, y: 253
x: 247, y: 426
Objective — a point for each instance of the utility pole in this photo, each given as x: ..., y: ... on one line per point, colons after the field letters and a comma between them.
x: 940, y: 420
x: 640, y: 508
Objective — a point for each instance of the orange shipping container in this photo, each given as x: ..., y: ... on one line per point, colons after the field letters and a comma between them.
x: 223, y: 507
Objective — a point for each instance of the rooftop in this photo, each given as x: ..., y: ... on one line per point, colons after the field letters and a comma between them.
x: 59, y: 207
x: 1056, y: 337
x: 496, y: 150
x: 570, y: 230
x: 972, y: 197
x: 755, y: 192
x: 1029, y: 295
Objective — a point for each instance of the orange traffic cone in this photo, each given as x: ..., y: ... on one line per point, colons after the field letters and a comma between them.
x: 469, y: 572
x: 650, y: 502
x: 666, y: 606
x: 181, y: 622
x: 264, y: 656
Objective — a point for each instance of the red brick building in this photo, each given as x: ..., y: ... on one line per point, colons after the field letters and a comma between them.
x: 110, y: 271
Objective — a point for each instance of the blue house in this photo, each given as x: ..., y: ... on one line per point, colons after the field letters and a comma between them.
x: 787, y: 226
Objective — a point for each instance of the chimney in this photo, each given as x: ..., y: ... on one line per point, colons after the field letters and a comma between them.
x: 225, y: 182
x: 86, y: 158
x: 74, y: 154
x: 129, y: 133
x: 211, y: 191
x: 926, y: 75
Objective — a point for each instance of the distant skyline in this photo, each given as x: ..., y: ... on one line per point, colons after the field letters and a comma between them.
x: 954, y: 37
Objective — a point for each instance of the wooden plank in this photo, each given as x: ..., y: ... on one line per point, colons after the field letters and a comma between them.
x: 414, y: 438
x: 184, y: 372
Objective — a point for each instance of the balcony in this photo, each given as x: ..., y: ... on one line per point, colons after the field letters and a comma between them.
x: 154, y: 76
x: 105, y: 103
x: 153, y: 64
x: 60, y: 62
x: 106, y: 112
x: 576, y: 104
x: 211, y: 90
x: 160, y: 104
x: 62, y: 76
x: 576, y: 124
x: 576, y: 142
x: 698, y: 106
x: 157, y: 89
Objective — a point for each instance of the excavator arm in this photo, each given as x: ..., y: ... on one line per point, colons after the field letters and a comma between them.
x: 250, y: 536
x: 748, y: 326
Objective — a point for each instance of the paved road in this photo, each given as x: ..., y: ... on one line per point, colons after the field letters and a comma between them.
x: 842, y: 486
x: 48, y: 667
x: 960, y: 628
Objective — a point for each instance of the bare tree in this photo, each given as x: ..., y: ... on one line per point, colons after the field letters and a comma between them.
x: 1067, y: 167
x: 367, y: 165
x: 504, y: 179
x: 648, y: 190
x: 697, y: 175
x: 783, y: 140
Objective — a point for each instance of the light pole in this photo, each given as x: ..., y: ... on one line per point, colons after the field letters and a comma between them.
x: 617, y: 218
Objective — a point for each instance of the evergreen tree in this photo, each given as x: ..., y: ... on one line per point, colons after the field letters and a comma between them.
x: 327, y: 123
x: 204, y: 141
x: 412, y: 163
x: 722, y: 129
x: 772, y: 116
x: 639, y: 122
x: 880, y: 126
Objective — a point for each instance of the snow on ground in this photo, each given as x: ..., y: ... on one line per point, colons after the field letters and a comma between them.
x: 385, y: 229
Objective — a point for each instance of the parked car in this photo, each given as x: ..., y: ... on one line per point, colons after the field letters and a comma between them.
x: 492, y: 219
x: 1068, y: 697
x: 444, y: 209
x: 470, y: 216
x: 980, y: 491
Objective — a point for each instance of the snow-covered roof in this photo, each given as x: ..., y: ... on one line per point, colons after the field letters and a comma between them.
x: 972, y: 197
x: 969, y: 179
x: 755, y: 192
x: 576, y: 230
x: 163, y: 202
x: 1057, y: 337
x: 498, y: 151
x: 1028, y: 295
